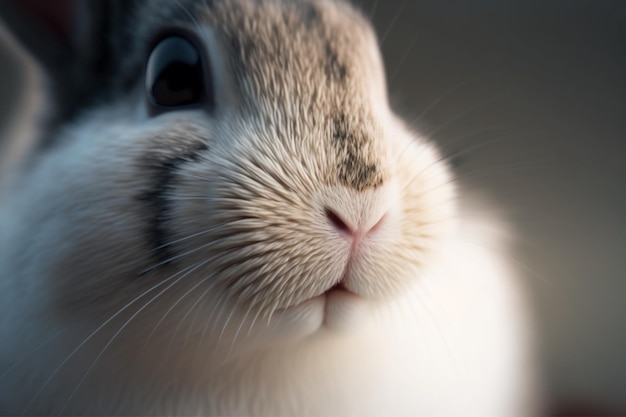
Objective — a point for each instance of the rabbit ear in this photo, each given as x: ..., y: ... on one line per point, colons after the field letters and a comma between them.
x: 48, y: 30
x: 64, y: 36
x: 70, y: 39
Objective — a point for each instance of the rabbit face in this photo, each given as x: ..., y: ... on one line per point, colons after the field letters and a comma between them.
x: 283, y: 177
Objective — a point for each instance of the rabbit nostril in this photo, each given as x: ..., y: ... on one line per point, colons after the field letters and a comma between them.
x: 336, y: 221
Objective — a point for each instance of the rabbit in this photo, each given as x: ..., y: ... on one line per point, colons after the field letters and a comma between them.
x: 221, y: 215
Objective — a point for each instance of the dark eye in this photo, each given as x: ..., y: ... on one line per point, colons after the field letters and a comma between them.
x: 175, y: 75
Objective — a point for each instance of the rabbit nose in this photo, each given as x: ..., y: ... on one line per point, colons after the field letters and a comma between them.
x: 351, y: 230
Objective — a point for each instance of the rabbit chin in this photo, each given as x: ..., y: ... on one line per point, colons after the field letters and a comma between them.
x: 335, y: 310
x: 336, y: 315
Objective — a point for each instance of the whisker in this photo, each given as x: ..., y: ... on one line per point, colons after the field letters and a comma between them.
x: 272, y: 308
x: 169, y: 310
x: 189, y: 252
x: 464, y: 114
x: 219, y: 339
x: 447, y: 93
x: 205, y: 328
x: 462, y: 138
x: 219, y: 315
x: 169, y: 345
x: 372, y: 12
x: 188, y: 198
x: 89, y: 337
x: 461, y: 152
x: 479, y: 173
x: 243, y: 320
x: 403, y: 59
x: 445, y: 158
x: 394, y: 20
x: 195, y: 316
x: 465, y: 137
x: 114, y: 337
x: 440, y: 332
x: 498, y: 169
x: 191, y: 236
x: 192, y: 176
x: 254, y: 319
x: 508, y: 256
x: 31, y: 353
x: 173, y: 258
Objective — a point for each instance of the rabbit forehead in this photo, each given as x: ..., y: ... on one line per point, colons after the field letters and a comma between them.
x: 280, y: 47
x: 315, y: 64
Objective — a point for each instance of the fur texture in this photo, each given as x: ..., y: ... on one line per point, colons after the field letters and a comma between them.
x: 184, y: 263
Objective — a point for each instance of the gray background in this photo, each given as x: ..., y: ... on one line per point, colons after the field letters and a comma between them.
x: 533, y: 93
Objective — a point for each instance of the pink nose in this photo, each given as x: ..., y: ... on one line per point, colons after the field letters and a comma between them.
x: 354, y: 232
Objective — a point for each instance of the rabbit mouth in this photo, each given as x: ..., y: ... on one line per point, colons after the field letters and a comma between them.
x: 341, y: 307
x: 337, y: 293
x: 337, y: 287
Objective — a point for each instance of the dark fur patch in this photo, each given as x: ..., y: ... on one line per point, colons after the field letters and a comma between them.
x: 354, y: 170
x: 310, y: 15
x: 357, y: 173
x: 157, y: 199
x: 342, y: 135
x: 334, y: 68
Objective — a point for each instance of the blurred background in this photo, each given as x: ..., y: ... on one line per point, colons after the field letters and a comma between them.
x: 529, y: 98
x: 532, y: 96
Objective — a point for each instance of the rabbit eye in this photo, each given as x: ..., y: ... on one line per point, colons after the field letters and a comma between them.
x: 175, y: 75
